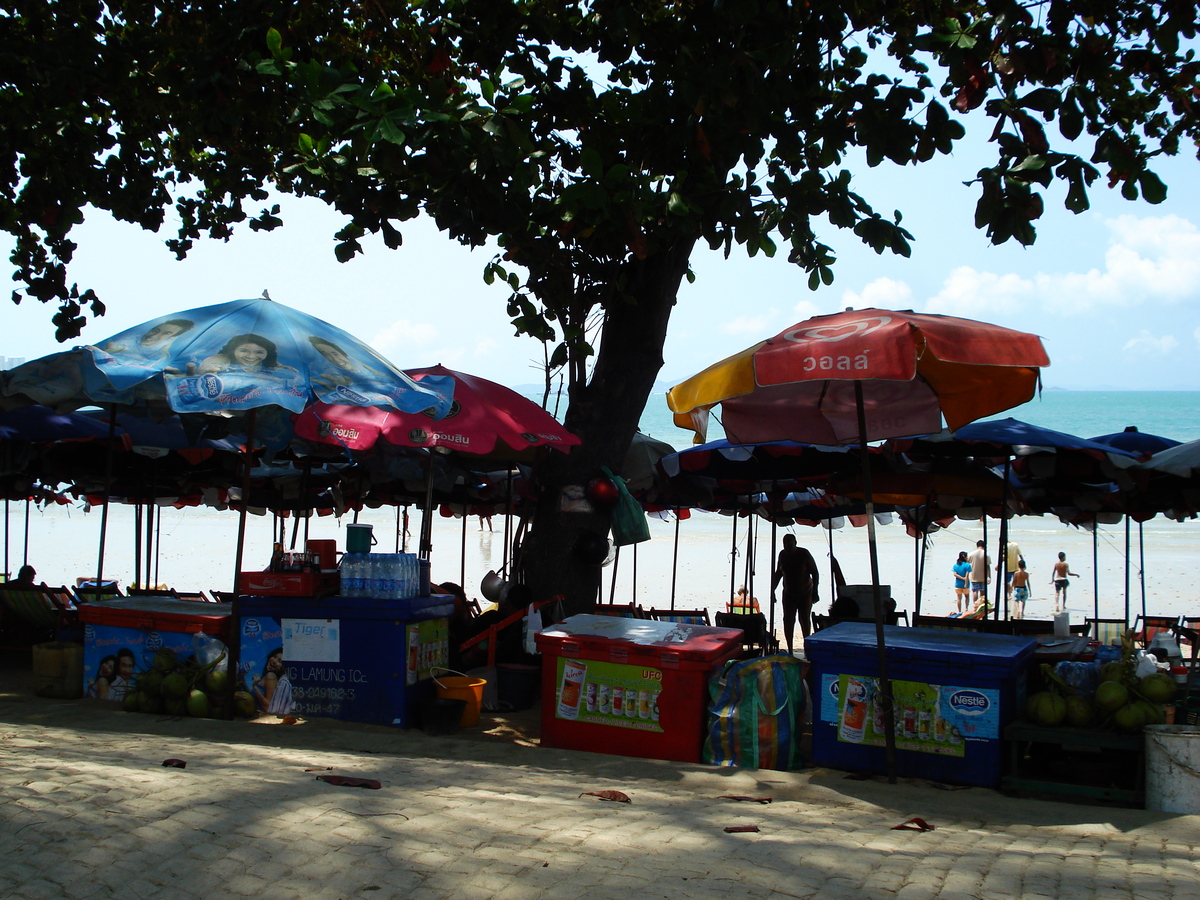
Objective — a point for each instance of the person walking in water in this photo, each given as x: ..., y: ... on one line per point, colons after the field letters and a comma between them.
x: 1061, y: 582
x: 1020, y: 590
x: 797, y: 569
x: 962, y: 582
x: 980, y: 574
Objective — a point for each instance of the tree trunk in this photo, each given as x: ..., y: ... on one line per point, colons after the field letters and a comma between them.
x: 605, y: 414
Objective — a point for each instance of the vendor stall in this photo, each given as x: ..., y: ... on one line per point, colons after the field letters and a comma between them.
x: 636, y: 687
x: 954, y: 691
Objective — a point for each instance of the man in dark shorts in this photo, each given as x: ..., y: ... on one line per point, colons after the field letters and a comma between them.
x: 797, y: 569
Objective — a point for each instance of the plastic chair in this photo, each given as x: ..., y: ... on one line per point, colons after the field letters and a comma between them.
x: 1146, y: 627
x: 1106, y: 630
x: 620, y: 610
x: 757, y: 639
x: 683, y: 616
x: 948, y: 623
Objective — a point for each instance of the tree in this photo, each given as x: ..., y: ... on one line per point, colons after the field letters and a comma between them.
x: 596, y: 142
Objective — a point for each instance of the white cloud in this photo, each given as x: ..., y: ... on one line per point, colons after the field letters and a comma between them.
x: 1149, y: 260
x: 885, y: 293
x: 1147, y: 344
x: 757, y: 327
x: 805, y: 309
x: 402, y: 334
x: 974, y: 294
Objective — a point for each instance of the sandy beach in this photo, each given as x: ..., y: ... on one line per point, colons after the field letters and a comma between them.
x: 198, y: 547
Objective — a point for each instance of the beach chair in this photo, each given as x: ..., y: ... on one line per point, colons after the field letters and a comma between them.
x: 757, y: 639
x: 683, y: 616
x: 1030, y: 627
x: 949, y: 623
x: 1146, y: 627
x: 1106, y: 630
x: 192, y: 595
x: 39, y: 613
x: 620, y: 610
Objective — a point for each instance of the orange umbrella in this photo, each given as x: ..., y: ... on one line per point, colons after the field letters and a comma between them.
x: 913, y: 369
x: 858, y: 376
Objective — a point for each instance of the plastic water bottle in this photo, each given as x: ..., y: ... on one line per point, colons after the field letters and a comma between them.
x: 349, y: 575
x: 391, y: 578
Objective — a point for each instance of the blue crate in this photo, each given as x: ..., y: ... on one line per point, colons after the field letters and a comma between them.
x: 974, y: 683
x: 345, y: 658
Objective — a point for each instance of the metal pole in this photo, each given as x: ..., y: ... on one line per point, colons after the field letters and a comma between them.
x: 462, y: 567
x: 1002, y: 562
x: 399, y: 526
x: 137, y: 544
x: 612, y: 587
x: 1096, y: 570
x: 235, y: 622
x: 7, y: 511
x: 1141, y: 567
x: 885, y: 683
x: 733, y: 556
x: 426, y: 546
x: 675, y: 560
x: 774, y: 568
x: 28, y: 504
x: 1127, y: 564
x: 633, y: 595
x: 108, y: 464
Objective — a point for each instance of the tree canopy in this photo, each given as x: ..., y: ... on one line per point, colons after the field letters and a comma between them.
x: 580, y: 135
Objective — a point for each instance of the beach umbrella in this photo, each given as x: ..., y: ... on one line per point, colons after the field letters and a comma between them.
x: 860, y: 376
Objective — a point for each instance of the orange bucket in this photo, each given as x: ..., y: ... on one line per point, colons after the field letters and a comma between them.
x: 462, y: 687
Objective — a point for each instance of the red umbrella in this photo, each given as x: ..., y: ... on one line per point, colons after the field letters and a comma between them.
x: 486, y: 419
x: 864, y: 375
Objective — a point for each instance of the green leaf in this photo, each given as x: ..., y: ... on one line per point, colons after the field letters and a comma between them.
x: 1153, y: 190
x: 305, y: 143
x: 1043, y: 100
x: 391, y: 132
x: 274, y: 40
x: 676, y: 205
x: 591, y: 163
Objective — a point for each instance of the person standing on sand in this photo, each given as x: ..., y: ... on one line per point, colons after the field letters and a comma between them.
x: 980, y: 576
x: 1061, y: 582
x: 797, y: 569
x: 1012, y: 561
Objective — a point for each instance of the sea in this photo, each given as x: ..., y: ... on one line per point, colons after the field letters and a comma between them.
x: 698, y: 562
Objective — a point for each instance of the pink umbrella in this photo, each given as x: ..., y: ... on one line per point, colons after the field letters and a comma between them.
x: 486, y: 419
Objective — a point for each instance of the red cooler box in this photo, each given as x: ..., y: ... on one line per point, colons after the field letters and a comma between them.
x: 630, y: 686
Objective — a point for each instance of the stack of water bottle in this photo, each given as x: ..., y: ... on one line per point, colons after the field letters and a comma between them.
x: 383, y: 576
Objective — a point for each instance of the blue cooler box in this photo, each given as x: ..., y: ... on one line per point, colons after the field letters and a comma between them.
x: 954, y: 692
x: 121, y: 636
x: 358, y: 659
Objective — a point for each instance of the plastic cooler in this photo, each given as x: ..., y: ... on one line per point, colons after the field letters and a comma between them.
x: 630, y: 686
x: 954, y: 693
x: 135, y: 628
x: 357, y: 659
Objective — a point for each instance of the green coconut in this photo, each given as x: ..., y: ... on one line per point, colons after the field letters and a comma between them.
x: 165, y: 660
x: 1046, y: 709
x: 1151, y: 712
x: 1111, y: 696
x: 175, y: 686
x: 1130, y: 717
x: 197, y: 704
x: 243, y: 704
x: 1079, y: 712
x: 1157, y: 687
x: 1112, y: 671
x: 216, y: 681
x: 176, y: 706
x: 132, y: 702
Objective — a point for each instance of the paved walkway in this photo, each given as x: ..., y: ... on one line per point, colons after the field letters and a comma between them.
x: 88, y: 811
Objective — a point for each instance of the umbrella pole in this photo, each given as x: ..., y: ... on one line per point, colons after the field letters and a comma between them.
x: 1141, y: 566
x: 137, y: 544
x: 733, y: 556
x: 1095, y: 569
x: 832, y: 577
x: 1126, y: 565
x: 1002, y: 561
x: 426, y: 545
x: 7, y: 523
x: 633, y: 596
x: 397, y: 528
x: 234, y: 621
x: 108, y: 465
x: 157, y: 544
x: 28, y: 504
x: 885, y: 683
x: 751, y: 537
x: 462, y: 555
x: 774, y: 568
x: 612, y: 587
x: 675, y: 559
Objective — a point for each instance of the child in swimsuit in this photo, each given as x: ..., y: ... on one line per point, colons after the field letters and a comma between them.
x: 1020, y: 590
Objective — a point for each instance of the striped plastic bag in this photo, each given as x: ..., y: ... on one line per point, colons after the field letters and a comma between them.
x: 756, y: 714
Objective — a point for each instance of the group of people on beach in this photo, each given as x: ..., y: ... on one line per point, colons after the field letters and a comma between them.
x: 972, y: 574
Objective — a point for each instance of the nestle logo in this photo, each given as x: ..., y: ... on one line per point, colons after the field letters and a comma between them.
x: 353, y: 396
x: 210, y: 386
x: 970, y: 703
x: 251, y: 627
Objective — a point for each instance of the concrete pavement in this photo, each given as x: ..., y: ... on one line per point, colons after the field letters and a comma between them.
x: 90, y: 812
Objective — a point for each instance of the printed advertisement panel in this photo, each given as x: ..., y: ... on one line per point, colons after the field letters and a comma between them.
x: 606, y: 693
x: 930, y: 718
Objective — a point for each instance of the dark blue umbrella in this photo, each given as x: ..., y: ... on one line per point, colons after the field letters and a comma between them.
x: 1137, y: 441
x: 38, y: 424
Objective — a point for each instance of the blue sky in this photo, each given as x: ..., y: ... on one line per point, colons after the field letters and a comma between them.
x: 1115, y: 292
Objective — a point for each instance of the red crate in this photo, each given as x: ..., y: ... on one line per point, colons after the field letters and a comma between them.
x: 286, y: 584
x: 663, y: 666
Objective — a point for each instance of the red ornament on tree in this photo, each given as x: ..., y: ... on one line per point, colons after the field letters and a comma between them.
x: 602, y: 491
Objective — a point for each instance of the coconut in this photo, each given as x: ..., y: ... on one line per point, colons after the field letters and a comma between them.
x: 1157, y: 687
x: 1130, y: 717
x: 1046, y: 709
x: 1112, y: 671
x: 1111, y: 695
x: 197, y: 704
x: 1079, y: 712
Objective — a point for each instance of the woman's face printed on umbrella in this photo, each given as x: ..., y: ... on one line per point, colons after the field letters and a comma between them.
x: 163, y: 332
x: 249, y: 355
x: 332, y: 352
